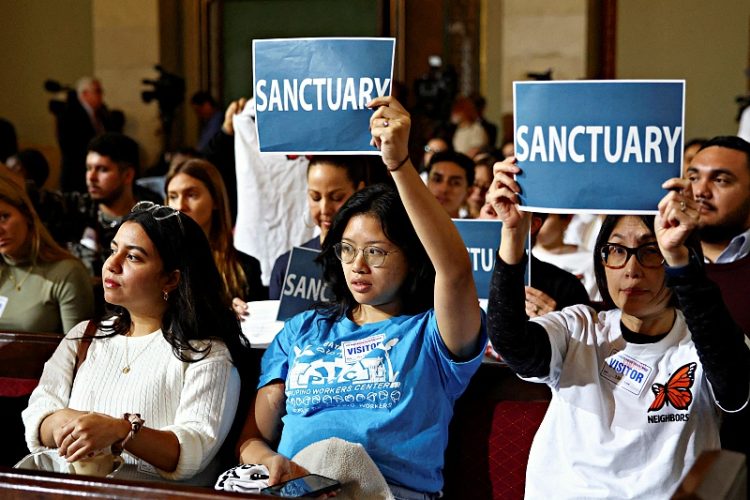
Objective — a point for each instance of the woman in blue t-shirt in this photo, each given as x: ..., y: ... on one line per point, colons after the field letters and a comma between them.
x: 384, y: 362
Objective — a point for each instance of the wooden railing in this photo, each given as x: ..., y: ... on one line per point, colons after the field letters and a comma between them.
x: 24, y: 484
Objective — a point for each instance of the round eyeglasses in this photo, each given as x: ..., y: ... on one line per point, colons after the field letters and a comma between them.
x: 374, y: 256
x: 616, y: 256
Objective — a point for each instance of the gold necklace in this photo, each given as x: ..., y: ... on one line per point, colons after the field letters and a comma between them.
x: 16, y: 284
x: 128, y: 362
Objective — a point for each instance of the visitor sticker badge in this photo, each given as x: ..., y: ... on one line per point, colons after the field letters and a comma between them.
x: 626, y: 371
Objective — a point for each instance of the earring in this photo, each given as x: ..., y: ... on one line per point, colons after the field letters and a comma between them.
x: 307, y: 219
x: 165, y: 295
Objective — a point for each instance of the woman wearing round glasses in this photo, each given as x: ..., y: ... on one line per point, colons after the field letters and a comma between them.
x: 637, y: 390
x: 382, y: 364
x: 160, y: 376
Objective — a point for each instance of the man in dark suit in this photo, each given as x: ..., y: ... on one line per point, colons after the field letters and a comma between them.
x: 84, y: 117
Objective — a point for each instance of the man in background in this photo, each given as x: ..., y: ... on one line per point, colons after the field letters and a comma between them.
x: 450, y: 175
x: 84, y: 117
x: 720, y: 177
x: 211, y: 117
x: 112, y: 164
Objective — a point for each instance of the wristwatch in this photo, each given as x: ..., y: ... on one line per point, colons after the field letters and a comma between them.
x: 136, y: 422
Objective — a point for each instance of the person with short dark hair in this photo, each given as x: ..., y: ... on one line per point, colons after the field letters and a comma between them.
x: 639, y: 388
x: 450, y: 174
x: 8, y: 140
x: 331, y: 180
x: 720, y: 177
x: 169, y: 358
x: 32, y: 167
x: 112, y: 164
x: 396, y: 346
x: 209, y: 114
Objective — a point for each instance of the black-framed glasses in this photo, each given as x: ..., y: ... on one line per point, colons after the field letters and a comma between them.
x: 615, y: 256
x: 374, y: 256
x: 158, y: 212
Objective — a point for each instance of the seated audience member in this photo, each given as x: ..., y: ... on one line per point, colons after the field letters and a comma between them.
x: 720, y: 177
x: 331, y: 180
x: 45, y: 288
x: 112, y: 164
x: 434, y: 145
x: 637, y: 390
x: 482, y: 180
x: 690, y: 150
x: 469, y: 134
x: 480, y: 104
x: 550, y: 247
x: 210, y: 115
x: 196, y: 189
x: 403, y: 287
x: 450, y: 175
x: 8, y: 140
x: 31, y: 166
x: 160, y: 377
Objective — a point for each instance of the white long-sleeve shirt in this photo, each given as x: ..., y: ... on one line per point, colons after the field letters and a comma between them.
x: 195, y: 401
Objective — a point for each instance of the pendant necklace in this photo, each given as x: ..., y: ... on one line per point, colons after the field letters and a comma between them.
x: 17, y: 284
x: 128, y: 362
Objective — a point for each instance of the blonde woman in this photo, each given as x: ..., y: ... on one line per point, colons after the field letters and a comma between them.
x: 43, y: 288
x: 196, y: 189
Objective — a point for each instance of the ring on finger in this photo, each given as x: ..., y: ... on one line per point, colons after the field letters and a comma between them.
x: 385, y: 123
x: 683, y: 206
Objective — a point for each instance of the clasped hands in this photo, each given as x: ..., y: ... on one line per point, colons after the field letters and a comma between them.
x: 84, y: 434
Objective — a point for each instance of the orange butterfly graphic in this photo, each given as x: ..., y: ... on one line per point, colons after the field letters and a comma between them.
x: 677, y: 391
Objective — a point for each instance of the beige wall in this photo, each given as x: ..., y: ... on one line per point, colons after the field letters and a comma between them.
x: 706, y: 43
x: 524, y: 36
x: 126, y: 48
x: 41, y: 39
x: 116, y: 40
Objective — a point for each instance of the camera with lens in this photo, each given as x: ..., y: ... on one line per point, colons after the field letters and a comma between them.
x: 168, y: 91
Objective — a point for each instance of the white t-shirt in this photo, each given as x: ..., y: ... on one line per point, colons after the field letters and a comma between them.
x: 605, y: 434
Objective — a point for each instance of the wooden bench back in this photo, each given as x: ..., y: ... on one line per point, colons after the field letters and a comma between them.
x: 22, y: 354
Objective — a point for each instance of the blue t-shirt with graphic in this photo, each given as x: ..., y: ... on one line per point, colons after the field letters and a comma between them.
x: 388, y: 385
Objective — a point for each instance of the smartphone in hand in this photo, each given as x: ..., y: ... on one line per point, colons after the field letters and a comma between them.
x: 311, y: 485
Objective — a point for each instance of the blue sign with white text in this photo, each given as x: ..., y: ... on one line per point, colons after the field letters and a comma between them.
x: 597, y: 146
x: 482, y: 239
x: 303, y: 284
x: 310, y: 93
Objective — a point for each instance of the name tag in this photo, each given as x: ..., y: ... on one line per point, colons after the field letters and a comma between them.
x: 355, y: 350
x: 3, y: 303
x: 625, y: 371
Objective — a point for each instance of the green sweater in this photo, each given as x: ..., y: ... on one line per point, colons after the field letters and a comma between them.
x: 54, y: 296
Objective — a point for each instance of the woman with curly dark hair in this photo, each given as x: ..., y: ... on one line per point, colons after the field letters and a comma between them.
x: 160, y: 380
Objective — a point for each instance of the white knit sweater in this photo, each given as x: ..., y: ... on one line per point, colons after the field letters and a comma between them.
x: 196, y: 401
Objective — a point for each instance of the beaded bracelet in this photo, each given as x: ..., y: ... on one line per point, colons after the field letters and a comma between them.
x: 403, y: 162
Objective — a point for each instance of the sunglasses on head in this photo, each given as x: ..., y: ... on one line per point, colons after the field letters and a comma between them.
x: 158, y: 212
